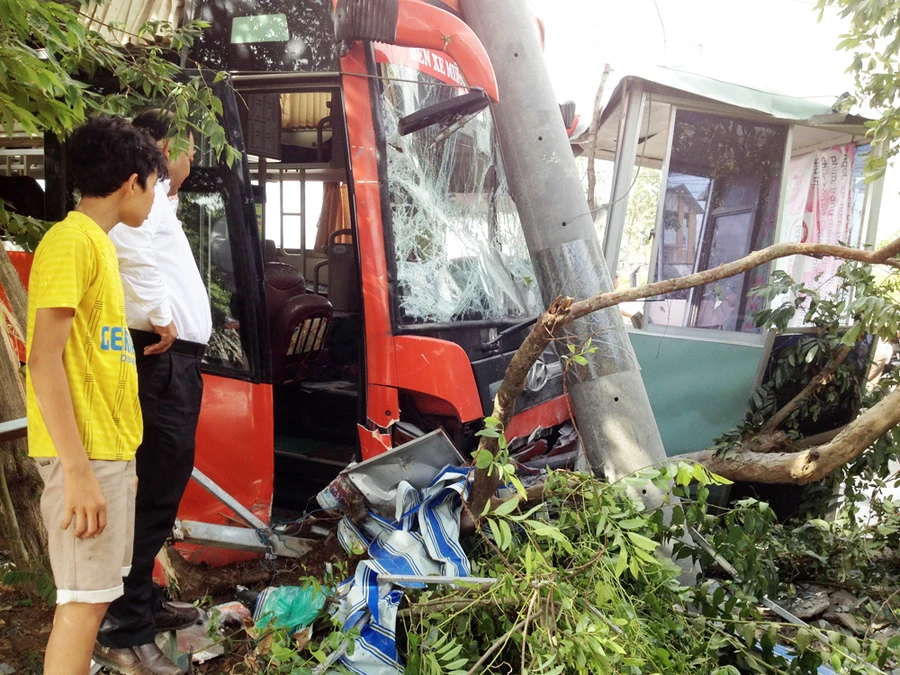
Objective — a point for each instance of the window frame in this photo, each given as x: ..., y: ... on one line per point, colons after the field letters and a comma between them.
x: 734, y: 337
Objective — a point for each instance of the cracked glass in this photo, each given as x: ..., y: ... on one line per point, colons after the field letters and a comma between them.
x: 457, y: 240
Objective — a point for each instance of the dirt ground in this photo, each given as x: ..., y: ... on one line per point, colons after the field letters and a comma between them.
x: 24, y: 626
x: 25, y: 619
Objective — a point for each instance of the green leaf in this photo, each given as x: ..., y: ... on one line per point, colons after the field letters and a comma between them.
x: 643, y: 542
x: 507, y: 534
x: 851, y: 336
x: 483, y: 459
x: 804, y: 639
x: 492, y: 422
x: 507, y: 507
x: 520, y: 489
x: 632, y: 523
x: 621, y: 563
x: 544, y: 530
x: 497, y: 534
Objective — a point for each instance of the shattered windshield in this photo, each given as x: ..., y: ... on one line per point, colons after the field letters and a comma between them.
x: 458, y: 244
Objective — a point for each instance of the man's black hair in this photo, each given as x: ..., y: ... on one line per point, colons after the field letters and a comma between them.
x: 105, y: 151
x: 156, y: 122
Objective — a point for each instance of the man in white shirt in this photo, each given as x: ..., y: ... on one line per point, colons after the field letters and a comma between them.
x: 168, y: 313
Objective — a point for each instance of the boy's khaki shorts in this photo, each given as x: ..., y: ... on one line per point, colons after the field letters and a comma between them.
x: 90, y: 570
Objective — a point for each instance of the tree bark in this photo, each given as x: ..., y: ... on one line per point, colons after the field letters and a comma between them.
x: 15, y: 292
x: 23, y: 483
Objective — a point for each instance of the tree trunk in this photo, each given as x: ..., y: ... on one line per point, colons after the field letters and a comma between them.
x: 23, y: 483
x: 15, y: 292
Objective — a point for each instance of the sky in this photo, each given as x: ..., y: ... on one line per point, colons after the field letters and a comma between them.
x: 777, y: 44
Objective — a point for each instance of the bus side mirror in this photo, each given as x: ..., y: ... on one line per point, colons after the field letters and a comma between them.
x: 445, y: 112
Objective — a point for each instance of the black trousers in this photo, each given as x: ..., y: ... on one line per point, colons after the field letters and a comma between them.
x: 170, y: 390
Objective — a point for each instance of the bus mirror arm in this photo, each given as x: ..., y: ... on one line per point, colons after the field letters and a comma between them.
x: 502, y: 335
x: 445, y: 113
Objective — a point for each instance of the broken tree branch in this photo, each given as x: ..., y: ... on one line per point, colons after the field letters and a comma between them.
x: 485, y: 485
x: 498, y: 643
x: 817, y: 439
x: 883, y: 256
x: 808, y: 465
x: 814, y: 385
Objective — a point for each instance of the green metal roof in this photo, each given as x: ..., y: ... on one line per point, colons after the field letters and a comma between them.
x: 778, y: 105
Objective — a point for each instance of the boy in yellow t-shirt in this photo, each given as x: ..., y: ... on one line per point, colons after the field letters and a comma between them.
x: 84, y: 419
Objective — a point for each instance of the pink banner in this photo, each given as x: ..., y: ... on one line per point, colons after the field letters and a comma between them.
x: 824, y: 218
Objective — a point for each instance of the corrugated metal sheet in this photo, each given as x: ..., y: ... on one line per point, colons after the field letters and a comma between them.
x: 132, y: 14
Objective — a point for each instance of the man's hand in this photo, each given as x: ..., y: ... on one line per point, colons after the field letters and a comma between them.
x: 167, y: 335
x: 84, y: 504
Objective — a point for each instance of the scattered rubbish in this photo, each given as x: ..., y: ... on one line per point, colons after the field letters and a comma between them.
x: 289, y: 607
x: 198, y: 643
x: 341, y: 495
x: 421, y: 539
x: 168, y: 643
x: 247, y: 597
x: 231, y: 613
x: 6, y: 669
x: 418, y: 461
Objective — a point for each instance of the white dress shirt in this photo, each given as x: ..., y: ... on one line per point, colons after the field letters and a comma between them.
x: 161, y: 280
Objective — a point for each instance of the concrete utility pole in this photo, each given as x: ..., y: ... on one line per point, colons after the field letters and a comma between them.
x: 611, y: 405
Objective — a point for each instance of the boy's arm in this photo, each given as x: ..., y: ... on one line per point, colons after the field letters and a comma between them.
x: 84, y: 500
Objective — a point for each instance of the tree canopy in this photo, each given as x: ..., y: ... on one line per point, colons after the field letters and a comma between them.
x: 54, y: 72
x: 873, y: 40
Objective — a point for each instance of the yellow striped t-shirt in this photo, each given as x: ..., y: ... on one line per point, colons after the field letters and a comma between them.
x: 75, y: 266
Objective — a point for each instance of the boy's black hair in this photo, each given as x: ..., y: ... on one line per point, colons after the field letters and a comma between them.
x: 156, y: 122
x: 105, y: 151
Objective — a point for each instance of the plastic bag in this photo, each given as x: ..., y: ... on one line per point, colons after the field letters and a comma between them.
x: 290, y: 607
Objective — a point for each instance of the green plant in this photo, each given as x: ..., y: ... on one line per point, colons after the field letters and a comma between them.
x: 40, y: 580
x: 50, y: 65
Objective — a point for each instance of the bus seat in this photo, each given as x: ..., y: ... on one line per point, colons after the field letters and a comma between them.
x: 270, y: 251
x: 343, y: 277
x: 299, y: 321
x: 298, y: 335
x: 283, y: 282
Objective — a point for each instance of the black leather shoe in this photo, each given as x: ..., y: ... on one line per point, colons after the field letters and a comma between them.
x: 176, y: 617
x: 141, y: 660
